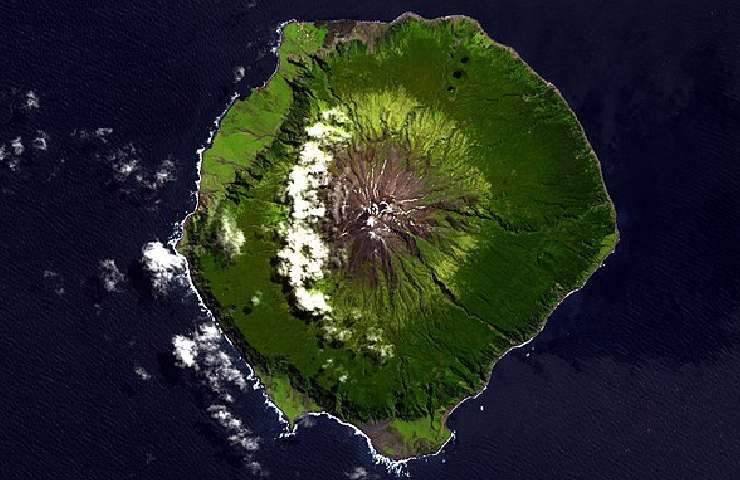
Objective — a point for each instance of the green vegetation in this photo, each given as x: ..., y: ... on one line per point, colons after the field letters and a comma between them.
x: 251, y: 126
x: 505, y: 214
x: 292, y: 402
x: 424, y: 434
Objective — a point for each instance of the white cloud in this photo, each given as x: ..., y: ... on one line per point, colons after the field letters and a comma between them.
x: 124, y: 161
x: 165, y: 173
x: 256, y: 469
x: 304, y: 255
x: 12, y: 161
x: 256, y: 299
x: 164, y: 266
x: 17, y: 146
x: 103, y: 132
x: 239, y: 73
x: 39, y: 143
x: 239, y: 435
x: 110, y: 275
x: 100, y: 133
x: 55, y: 280
x: 127, y: 163
x: 359, y: 473
x: 142, y: 373
x: 185, y: 351
x: 229, y: 236
x: 32, y: 100
x: 202, y: 351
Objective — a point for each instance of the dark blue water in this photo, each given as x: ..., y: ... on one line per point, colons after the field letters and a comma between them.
x: 635, y: 376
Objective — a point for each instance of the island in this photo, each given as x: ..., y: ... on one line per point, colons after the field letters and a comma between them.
x: 398, y: 206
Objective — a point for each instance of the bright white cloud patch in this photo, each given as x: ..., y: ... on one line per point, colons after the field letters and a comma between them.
x: 185, y: 350
x: 110, y: 275
x: 303, y: 258
x: 239, y: 435
x: 229, y: 236
x: 163, y: 266
x: 239, y: 73
x: 202, y: 351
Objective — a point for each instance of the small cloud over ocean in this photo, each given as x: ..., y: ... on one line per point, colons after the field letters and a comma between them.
x: 110, y: 276
x: 164, y: 268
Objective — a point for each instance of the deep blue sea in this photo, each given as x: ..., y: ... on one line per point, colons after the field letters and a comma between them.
x: 102, y: 107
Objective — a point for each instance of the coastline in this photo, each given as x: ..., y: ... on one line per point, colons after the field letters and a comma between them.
x: 396, y: 466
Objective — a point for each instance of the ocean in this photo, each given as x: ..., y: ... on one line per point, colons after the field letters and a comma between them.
x: 103, y: 106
